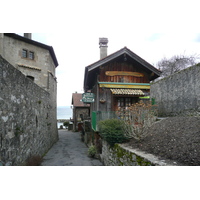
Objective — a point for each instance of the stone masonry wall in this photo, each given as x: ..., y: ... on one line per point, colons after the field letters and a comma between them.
x: 121, y: 155
x: 40, y: 67
x: 178, y: 94
x: 27, y: 117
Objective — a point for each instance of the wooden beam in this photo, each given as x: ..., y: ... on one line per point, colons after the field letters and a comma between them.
x: 123, y: 73
x: 124, y: 85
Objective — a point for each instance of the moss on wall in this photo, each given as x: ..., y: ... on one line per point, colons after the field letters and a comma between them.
x: 118, y: 156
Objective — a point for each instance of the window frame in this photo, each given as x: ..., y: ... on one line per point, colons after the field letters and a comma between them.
x: 30, y: 55
x: 24, y: 51
x: 125, y: 102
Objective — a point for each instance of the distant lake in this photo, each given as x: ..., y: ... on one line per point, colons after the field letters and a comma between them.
x: 63, y: 112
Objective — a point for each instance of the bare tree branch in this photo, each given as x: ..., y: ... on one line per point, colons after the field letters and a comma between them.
x: 176, y: 63
x: 137, y: 120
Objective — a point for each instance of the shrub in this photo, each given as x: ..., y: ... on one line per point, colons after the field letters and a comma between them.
x: 138, y: 118
x: 66, y: 124
x: 92, y: 151
x: 112, y: 131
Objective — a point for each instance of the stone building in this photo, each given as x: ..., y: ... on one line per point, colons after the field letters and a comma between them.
x: 35, y: 60
x: 81, y: 111
x: 28, y: 93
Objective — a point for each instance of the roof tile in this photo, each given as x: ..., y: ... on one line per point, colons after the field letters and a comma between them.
x: 127, y: 92
x: 77, y: 100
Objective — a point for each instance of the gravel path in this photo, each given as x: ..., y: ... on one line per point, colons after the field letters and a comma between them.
x: 69, y: 151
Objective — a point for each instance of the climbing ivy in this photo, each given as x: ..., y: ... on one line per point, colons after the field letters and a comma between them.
x: 18, y: 131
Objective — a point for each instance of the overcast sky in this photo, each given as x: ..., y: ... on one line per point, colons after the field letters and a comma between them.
x: 151, y: 29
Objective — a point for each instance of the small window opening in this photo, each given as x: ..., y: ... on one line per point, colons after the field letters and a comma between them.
x: 31, y: 55
x: 31, y: 77
x: 81, y: 116
x: 36, y: 120
x: 24, y: 53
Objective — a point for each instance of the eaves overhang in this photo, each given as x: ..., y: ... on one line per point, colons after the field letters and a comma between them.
x: 30, y: 41
x: 122, y: 51
x: 91, y: 69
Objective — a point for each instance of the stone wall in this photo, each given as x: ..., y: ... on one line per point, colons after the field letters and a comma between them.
x: 121, y: 155
x: 178, y: 94
x: 28, y: 124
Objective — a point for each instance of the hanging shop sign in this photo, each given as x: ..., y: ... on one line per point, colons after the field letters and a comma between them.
x: 88, y: 97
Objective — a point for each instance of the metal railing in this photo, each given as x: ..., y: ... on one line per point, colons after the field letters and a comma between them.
x: 101, y: 115
x: 123, y: 115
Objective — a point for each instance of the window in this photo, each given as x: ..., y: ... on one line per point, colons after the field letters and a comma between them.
x: 124, y: 102
x: 121, y: 79
x: 31, y: 77
x: 24, y: 53
x: 31, y: 55
x: 28, y: 54
x: 121, y: 102
x: 127, y: 102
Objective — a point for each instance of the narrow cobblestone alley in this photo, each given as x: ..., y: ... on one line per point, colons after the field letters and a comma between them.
x: 69, y: 151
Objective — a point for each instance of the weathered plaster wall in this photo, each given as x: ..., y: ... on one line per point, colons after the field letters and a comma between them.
x: 121, y: 155
x: 178, y: 94
x: 27, y: 116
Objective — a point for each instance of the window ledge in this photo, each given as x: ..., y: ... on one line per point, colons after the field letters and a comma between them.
x: 29, y: 67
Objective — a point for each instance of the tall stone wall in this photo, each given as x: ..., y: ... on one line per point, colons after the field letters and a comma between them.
x: 178, y: 94
x: 27, y: 116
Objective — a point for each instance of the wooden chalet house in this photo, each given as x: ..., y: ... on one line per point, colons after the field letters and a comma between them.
x: 117, y: 80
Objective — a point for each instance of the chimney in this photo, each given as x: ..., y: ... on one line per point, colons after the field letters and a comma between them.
x: 103, y: 47
x: 28, y: 35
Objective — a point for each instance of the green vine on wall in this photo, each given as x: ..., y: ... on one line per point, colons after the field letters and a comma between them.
x: 18, y: 131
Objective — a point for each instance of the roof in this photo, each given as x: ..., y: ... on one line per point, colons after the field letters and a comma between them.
x: 77, y: 100
x: 124, y: 51
x: 30, y: 41
x: 127, y: 92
